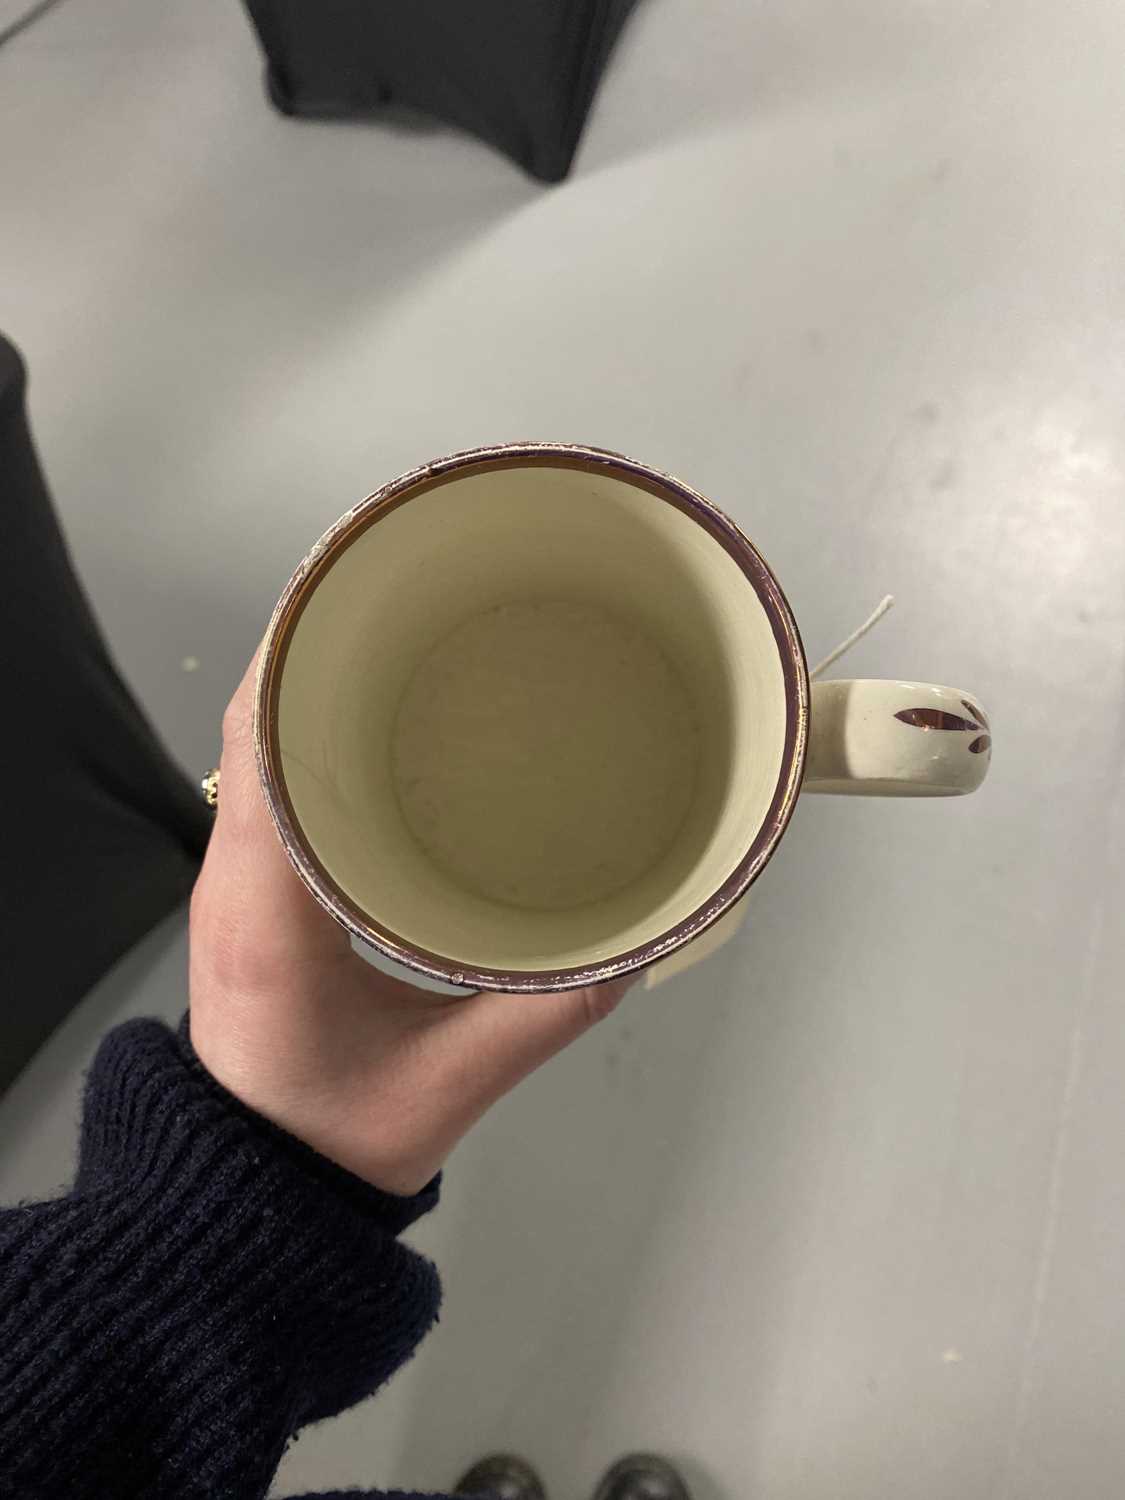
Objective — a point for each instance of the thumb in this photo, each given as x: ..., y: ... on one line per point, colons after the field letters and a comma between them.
x: 502, y: 1037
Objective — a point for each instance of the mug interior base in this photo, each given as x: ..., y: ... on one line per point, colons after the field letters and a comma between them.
x: 545, y: 753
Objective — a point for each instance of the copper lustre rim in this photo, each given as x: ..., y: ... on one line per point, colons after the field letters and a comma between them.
x: 369, y: 512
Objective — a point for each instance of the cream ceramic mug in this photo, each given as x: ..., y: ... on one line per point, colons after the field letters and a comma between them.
x: 537, y: 715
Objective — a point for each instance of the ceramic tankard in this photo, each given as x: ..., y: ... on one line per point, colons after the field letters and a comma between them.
x: 537, y: 715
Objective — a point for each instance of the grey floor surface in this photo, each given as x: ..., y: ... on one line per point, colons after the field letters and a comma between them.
x: 841, y: 1215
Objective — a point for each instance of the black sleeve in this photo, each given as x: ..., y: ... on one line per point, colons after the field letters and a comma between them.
x: 210, y: 1285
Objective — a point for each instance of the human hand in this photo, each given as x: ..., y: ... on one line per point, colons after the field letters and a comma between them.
x: 379, y: 1075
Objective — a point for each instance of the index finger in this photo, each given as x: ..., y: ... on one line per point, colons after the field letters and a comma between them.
x: 247, y: 885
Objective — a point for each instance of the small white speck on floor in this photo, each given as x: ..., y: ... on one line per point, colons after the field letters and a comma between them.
x: 190, y: 664
x: 952, y: 1357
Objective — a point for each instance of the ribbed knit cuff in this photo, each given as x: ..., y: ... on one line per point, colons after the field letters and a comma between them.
x: 215, y: 1284
x: 392, y: 1210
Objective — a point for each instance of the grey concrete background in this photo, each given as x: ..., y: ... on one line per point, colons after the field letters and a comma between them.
x: 841, y: 1215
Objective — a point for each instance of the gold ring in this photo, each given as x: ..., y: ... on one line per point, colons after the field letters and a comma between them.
x: 209, y: 786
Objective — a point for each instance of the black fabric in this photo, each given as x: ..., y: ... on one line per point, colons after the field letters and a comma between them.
x: 210, y: 1286
x: 102, y: 834
x: 519, y: 73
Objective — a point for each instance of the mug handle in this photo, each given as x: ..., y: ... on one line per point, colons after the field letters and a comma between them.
x: 895, y: 739
x: 875, y: 739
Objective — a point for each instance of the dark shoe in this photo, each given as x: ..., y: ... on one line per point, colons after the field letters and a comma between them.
x: 502, y: 1476
x: 642, y: 1476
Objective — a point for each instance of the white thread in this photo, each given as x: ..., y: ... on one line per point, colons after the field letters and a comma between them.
x: 872, y: 619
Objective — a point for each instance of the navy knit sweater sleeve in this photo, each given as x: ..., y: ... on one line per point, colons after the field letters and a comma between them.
x: 209, y: 1286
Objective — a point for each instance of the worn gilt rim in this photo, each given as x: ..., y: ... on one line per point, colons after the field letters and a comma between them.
x: 417, y: 482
